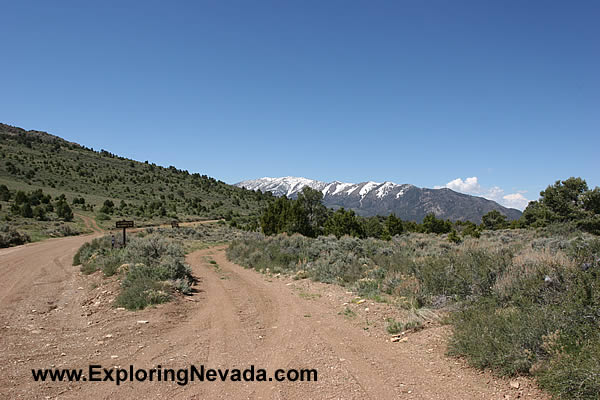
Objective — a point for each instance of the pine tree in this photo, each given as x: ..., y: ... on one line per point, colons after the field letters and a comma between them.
x: 342, y: 223
x: 394, y: 225
x: 494, y: 220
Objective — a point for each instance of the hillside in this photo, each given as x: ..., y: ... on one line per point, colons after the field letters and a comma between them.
x: 371, y: 198
x: 143, y: 191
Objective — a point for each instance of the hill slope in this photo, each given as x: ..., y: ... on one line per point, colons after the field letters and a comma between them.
x: 371, y: 198
x: 143, y: 191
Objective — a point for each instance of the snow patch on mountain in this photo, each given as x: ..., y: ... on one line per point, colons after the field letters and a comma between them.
x: 340, y: 186
x: 384, y: 189
x: 352, y: 189
x: 288, y: 185
x: 367, y: 188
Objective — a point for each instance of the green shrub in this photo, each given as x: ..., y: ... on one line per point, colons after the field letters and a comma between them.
x: 394, y: 327
x: 102, y: 217
x: 508, y: 340
x: 541, y: 318
x: 574, y: 375
x: 157, y: 268
x: 140, y: 289
x: 172, y: 268
x: 111, y: 263
x: 453, y: 237
x: 11, y: 237
x: 89, y: 249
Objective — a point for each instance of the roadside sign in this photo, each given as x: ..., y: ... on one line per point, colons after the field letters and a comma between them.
x: 174, y: 224
x: 124, y: 224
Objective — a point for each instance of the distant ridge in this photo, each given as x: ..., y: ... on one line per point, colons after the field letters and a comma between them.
x: 407, y: 201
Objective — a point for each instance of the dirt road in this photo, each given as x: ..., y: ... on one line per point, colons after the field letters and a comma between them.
x: 90, y: 223
x: 51, y: 316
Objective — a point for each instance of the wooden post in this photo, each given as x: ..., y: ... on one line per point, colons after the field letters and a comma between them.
x: 124, y: 237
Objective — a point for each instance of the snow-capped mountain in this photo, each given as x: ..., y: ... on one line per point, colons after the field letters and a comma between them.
x: 288, y: 186
x: 372, y: 198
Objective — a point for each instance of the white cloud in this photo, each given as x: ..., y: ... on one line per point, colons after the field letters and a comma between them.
x: 515, y: 200
x: 493, y: 193
x: 471, y: 186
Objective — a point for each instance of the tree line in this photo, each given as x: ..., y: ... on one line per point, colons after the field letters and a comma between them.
x: 308, y: 216
x: 36, y: 204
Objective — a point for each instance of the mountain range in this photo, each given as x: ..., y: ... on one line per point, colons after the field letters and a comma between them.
x: 407, y: 201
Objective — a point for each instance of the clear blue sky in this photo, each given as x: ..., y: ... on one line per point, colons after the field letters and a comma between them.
x: 420, y: 92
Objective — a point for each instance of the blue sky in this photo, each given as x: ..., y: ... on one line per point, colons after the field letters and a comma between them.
x: 506, y: 93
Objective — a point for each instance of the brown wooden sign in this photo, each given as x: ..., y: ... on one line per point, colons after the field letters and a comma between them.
x: 174, y: 224
x: 124, y: 224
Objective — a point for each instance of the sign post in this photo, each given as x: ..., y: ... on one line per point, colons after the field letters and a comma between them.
x: 124, y: 225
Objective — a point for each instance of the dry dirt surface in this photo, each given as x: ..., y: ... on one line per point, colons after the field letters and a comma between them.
x: 90, y: 223
x: 51, y: 316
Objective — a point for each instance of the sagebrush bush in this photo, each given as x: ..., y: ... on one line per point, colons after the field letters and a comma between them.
x: 140, y: 289
x: 11, y: 237
x: 376, y: 266
x: 62, y: 230
x: 111, y: 262
x: 86, y: 254
x: 156, y: 268
x: 210, y: 233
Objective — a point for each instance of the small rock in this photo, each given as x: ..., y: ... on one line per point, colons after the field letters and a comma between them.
x: 108, y: 335
x: 360, y: 301
x: 367, y: 309
x: 79, y: 288
x: 123, y: 268
x: 515, y: 384
x: 35, y: 332
x: 63, y: 354
x: 586, y: 266
x: 114, y: 357
x: 142, y: 321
